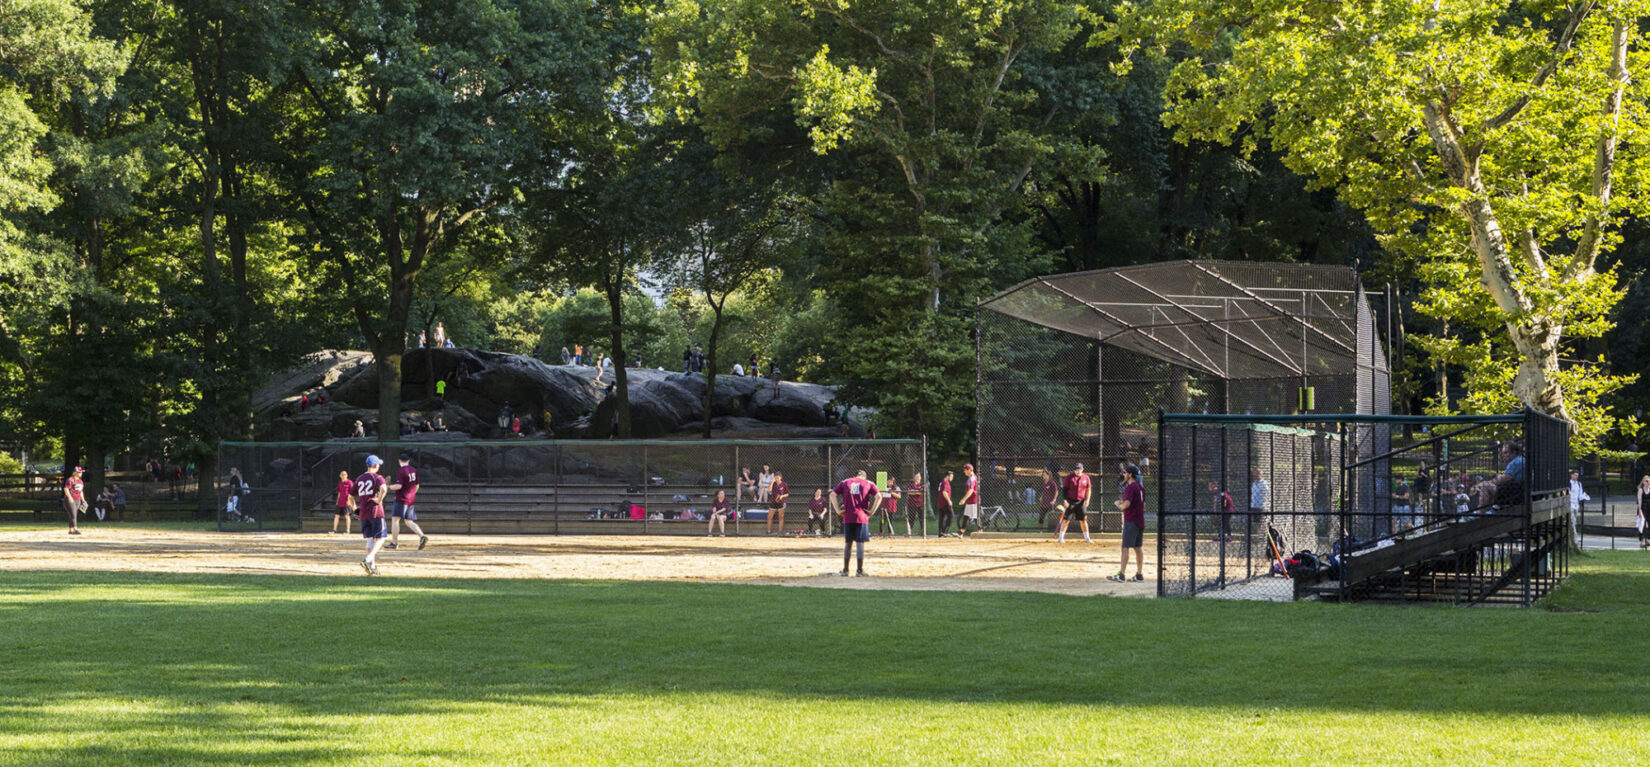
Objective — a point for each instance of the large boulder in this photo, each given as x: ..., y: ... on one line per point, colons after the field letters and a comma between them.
x: 480, y: 384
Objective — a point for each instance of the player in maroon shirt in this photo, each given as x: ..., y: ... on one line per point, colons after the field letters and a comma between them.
x: 913, y: 502
x: 74, y: 498
x: 942, y: 505
x: 370, y: 489
x: 778, y: 492
x: 1047, y: 497
x: 819, y: 511
x: 346, y: 502
x: 1078, y: 488
x: 406, y: 491
x: 856, y: 499
x: 718, y: 514
x: 1133, y: 504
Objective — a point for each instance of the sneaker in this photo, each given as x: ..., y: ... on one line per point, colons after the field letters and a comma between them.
x: 1138, y: 577
x: 365, y: 565
x: 74, y: 531
x: 423, y: 540
x: 860, y: 574
x: 842, y: 574
x: 1115, y: 577
x: 391, y: 546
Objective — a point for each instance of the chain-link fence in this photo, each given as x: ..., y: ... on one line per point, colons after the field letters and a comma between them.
x: 1464, y: 509
x: 1075, y: 368
x: 568, y: 486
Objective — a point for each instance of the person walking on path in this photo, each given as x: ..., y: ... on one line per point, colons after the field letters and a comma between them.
x: 370, y: 488
x: 942, y: 505
x: 74, y: 498
x: 718, y: 515
x: 818, y: 512
x: 970, y: 499
x: 346, y: 502
x: 1078, y: 489
x: 856, y: 499
x: 406, y: 491
x: 1133, y: 504
x: 778, y: 493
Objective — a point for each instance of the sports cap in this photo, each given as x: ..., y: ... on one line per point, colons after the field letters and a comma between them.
x: 373, y: 460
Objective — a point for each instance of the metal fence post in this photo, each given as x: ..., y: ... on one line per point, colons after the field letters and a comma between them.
x: 1161, y: 530
x: 926, y: 481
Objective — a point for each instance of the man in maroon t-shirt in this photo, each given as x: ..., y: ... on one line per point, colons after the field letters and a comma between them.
x: 74, y: 498
x: 913, y: 502
x: 1047, y: 497
x: 406, y: 490
x: 942, y: 505
x: 1078, y: 488
x: 1133, y: 504
x: 856, y: 499
x: 370, y: 489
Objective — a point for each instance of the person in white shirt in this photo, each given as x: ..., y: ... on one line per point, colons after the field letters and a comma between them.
x: 1578, y: 496
x: 1258, y: 492
x: 738, y: 369
x: 764, y: 482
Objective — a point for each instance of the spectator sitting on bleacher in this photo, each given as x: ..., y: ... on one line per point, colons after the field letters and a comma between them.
x: 1507, y: 488
x: 819, y: 511
x: 764, y: 484
x: 718, y: 514
x: 119, y: 501
x: 745, y: 481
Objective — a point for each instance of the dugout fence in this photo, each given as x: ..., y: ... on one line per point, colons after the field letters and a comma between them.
x: 562, y: 486
x: 1386, y: 507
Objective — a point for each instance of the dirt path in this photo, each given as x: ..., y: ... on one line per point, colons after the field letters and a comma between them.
x: 934, y: 564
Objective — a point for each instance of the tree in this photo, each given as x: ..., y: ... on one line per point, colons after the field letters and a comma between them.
x: 912, y: 110
x: 725, y: 250
x: 419, y: 119
x: 1482, y: 139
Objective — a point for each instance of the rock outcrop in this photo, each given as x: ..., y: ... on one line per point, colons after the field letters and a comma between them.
x: 481, y: 384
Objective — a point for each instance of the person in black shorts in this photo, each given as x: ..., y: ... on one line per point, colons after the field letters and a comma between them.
x: 1133, y: 505
x: 1078, y: 488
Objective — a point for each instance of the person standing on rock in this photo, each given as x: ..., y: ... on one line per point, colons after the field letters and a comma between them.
x: 773, y: 372
x: 440, y: 335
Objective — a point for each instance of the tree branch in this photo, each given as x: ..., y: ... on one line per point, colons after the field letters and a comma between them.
x: 1562, y: 47
x: 1604, y: 163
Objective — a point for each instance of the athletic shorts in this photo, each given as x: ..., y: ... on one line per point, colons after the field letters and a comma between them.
x: 372, y: 528
x: 1131, y: 535
x: 1076, y: 511
x: 341, y: 511
x: 777, y: 509
x: 856, y: 531
x: 972, y: 511
x: 404, y: 511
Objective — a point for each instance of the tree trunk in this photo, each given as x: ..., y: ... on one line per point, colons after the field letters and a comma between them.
x: 710, y: 378
x: 614, y: 288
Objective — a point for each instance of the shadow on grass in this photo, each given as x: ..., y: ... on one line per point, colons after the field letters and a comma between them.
x: 201, y: 648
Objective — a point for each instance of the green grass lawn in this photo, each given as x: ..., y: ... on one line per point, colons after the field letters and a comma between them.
x: 131, y: 669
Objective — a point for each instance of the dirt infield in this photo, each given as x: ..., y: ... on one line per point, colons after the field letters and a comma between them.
x: 949, y: 564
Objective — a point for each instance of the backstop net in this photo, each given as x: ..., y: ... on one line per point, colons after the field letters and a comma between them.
x: 568, y: 486
x: 1460, y: 509
x: 1076, y: 367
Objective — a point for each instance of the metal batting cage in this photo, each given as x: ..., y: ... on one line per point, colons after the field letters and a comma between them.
x: 1075, y: 367
x: 567, y: 486
x: 1461, y: 509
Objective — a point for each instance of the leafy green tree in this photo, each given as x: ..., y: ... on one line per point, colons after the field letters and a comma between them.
x: 1494, y: 142
x: 418, y: 120
x: 915, y: 109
